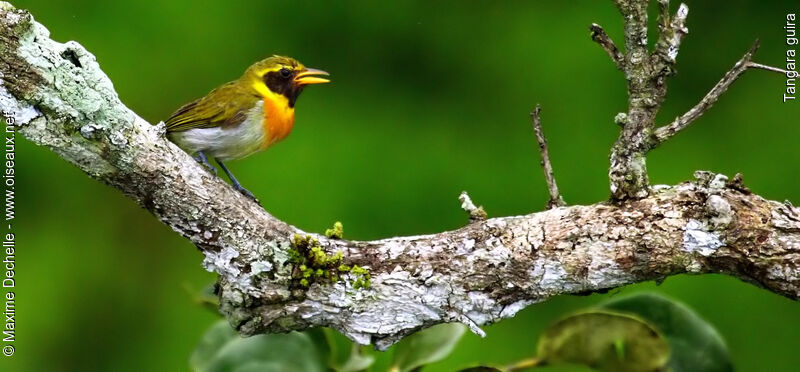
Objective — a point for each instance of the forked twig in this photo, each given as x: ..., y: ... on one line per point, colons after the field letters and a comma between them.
x: 665, y: 132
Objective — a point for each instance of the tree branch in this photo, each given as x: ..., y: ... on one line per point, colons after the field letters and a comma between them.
x: 680, y: 123
x: 599, y: 36
x: 555, y: 197
x: 671, y: 30
x: 481, y: 273
x: 646, y: 90
x: 647, y: 75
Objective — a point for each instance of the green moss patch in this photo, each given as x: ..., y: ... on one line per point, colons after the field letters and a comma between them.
x: 310, y: 264
x: 336, y: 232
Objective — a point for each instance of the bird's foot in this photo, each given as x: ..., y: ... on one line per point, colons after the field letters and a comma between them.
x: 201, y: 158
x: 235, y: 183
x: 246, y: 193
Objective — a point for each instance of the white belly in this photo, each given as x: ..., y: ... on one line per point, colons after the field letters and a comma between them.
x: 226, y: 144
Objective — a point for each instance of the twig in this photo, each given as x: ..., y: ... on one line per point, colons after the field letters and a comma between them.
x: 672, y: 30
x: 765, y: 67
x: 665, y: 132
x: 524, y: 365
x: 475, y: 213
x: 663, y: 16
x: 599, y: 36
x: 555, y: 197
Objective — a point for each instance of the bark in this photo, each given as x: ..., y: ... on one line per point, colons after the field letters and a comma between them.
x: 487, y: 270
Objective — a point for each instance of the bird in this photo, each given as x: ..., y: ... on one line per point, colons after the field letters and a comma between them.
x: 244, y: 116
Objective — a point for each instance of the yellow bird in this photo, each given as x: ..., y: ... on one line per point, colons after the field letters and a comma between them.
x: 243, y: 116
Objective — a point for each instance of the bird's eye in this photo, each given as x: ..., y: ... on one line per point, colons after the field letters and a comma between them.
x: 285, y: 72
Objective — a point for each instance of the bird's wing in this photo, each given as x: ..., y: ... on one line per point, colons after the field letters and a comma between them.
x: 224, y: 106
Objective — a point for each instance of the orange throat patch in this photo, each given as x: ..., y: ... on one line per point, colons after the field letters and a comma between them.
x: 278, y: 119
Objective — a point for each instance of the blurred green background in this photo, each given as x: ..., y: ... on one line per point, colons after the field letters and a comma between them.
x: 428, y: 99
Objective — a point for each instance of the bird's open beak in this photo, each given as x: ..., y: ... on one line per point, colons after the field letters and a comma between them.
x: 306, y: 77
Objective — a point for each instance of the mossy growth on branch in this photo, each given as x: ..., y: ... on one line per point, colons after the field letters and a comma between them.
x: 310, y: 264
x: 336, y: 232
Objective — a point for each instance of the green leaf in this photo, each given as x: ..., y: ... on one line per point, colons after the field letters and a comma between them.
x: 427, y: 346
x: 221, y: 349
x: 214, y: 339
x: 320, y: 339
x: 606, y: 341
x: 345, y: 355
x: 357, y: 361
x: 695, y: 344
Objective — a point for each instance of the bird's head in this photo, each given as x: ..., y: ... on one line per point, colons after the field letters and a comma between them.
x: 282, y: 76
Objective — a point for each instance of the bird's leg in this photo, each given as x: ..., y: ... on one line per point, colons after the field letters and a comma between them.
x: 201, y: 158
x: 235, y: 182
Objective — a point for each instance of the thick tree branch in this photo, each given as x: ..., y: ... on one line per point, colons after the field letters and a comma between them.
x: 488, y: 270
